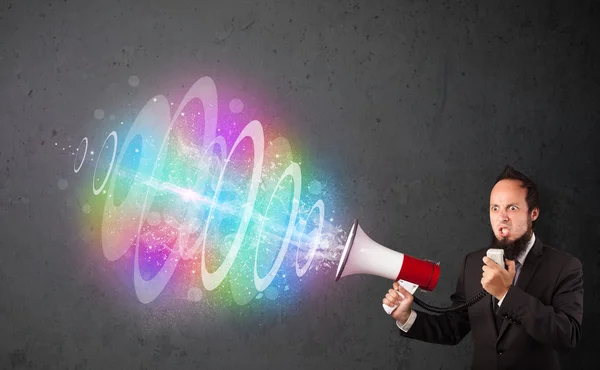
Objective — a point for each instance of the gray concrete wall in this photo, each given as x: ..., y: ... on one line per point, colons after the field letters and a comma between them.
x: 406, y: 111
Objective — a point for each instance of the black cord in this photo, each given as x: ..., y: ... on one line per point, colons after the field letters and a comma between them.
x: 463, y: 306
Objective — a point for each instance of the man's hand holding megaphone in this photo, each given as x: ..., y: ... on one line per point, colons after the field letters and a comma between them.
x: 398, y: 296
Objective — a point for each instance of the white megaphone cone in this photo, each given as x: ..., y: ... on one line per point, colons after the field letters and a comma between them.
x: 362, y: 255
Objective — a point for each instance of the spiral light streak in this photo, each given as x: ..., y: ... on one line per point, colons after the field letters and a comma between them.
x: 183, y: 207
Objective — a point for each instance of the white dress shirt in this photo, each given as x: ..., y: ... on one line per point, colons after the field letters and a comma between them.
x: 413, y: 314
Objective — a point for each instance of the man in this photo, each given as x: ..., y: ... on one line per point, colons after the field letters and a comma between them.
x: 534, y: 308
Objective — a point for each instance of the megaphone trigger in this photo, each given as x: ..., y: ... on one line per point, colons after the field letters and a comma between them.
x: 411, y: 287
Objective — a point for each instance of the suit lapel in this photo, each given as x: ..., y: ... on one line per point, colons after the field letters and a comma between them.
x: 527, y: 271
x: 530, y: 265
x: 485, y: 308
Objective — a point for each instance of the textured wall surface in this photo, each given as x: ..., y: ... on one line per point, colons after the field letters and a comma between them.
x: 410, y: 107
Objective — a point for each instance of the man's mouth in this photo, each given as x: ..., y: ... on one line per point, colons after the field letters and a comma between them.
x: 504, y: 231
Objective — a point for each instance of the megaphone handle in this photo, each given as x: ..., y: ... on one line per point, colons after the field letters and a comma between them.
x: 411, y: 287
x: 388, y: 309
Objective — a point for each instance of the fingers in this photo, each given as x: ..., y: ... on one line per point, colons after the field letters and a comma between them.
x: 490, y: 263
x: 389, y: 303
x: 487, y: 273
x: 391, y: 299
x: 395, y: 294
x: 395, y: 297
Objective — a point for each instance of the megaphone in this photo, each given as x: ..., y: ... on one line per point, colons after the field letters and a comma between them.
x: 362, y: 255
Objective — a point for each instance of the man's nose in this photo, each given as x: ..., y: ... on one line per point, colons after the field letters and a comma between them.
x: 503, y: 216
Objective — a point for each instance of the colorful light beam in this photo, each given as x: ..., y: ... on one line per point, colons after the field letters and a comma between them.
x: 207, y: 201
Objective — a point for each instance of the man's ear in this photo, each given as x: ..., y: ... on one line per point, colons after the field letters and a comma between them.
x: 535, y: 214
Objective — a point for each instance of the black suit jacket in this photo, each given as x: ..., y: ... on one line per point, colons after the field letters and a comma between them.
x: 541, y: 314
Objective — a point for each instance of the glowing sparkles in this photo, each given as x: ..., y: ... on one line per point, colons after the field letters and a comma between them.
x: 236, y: 105
x: 63, y: 184
x: 195, y: 294
x: 197, y: 199
x: 86, y: 208
x: 133, y: 81
x: 98, y: 114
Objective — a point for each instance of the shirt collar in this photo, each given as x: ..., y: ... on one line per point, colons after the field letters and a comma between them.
x: 523, y: 255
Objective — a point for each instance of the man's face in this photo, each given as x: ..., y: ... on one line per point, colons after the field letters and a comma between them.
x: 509, y: 215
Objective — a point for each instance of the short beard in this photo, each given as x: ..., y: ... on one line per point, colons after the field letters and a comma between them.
x: 512, y: 250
